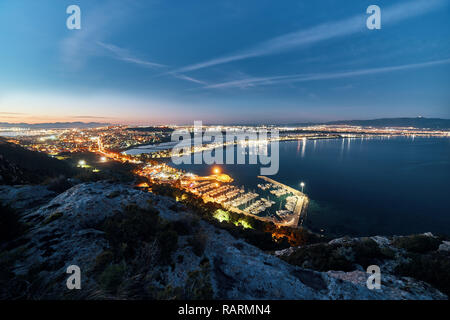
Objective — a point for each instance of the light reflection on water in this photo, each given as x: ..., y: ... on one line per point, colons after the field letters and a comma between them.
x: 376, y: 185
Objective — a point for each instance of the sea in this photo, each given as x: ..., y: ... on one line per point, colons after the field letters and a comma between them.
x: 361, y: 186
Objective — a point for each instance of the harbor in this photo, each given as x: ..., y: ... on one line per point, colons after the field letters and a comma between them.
x: 260, y: 204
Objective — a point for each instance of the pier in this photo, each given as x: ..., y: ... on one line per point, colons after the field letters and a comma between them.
x: 300, y: 206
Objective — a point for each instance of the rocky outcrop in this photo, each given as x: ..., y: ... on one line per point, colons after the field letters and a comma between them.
x: 395, y: 256
x: 25, y: 197
x: 66, y: 231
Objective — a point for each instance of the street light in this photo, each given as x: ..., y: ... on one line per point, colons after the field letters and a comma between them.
x: 81, y: 163
x: 302, y: 184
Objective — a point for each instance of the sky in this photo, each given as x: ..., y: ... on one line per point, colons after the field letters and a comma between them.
x: 223, y: 62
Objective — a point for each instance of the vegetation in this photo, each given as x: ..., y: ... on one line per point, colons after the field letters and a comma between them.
x: 33, y: 167
x: 112, y: 277
x: 264, y: 235
x: 198, y: 285
x: 129, y: 230
x: 10, y: 224
x: 10, y: 286
x: 342, y: 257
x: 432, y: 268
x: 417, y: 243
x: 54, y: 216
x: 140, y: 243
x: 58, y: 184
x: 22, y: 166
x: 198, y: 243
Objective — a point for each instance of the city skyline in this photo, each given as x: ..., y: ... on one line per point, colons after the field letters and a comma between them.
x: 231, y: 62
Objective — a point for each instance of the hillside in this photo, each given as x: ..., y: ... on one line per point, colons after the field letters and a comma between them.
x: 20, y: 166
x: 132, y: 244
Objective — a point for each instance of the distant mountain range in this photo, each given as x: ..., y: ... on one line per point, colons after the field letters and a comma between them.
x: 419, y: 122
x: 53, y: 125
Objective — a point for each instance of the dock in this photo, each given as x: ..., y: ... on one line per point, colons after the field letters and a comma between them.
x: 300, y: 206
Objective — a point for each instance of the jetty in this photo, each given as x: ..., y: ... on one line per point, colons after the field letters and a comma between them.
x: 300, y: 206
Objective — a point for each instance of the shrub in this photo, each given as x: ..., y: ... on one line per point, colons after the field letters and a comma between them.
x: 417, y: 243
x: 367, y: 252
x: 198, y: 284
x: 432, y: 268
x: 112, y: 277
x: 58, y: 184
x: 135, y: 229
x: 54, y: 216
x: 10, y: 225
x: 131, y: 227
x: 168, y: 243
x: 320, y: 257
x: 103, y: 260
x: 198, y: 243
x: 182, y: 227
x: 169, y: 293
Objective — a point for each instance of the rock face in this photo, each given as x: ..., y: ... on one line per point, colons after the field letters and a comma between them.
x: 65, y: 231
x: 25, y: 197
x: 445, y: 246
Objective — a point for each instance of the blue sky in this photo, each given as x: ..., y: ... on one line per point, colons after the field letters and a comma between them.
x: 230, y: 61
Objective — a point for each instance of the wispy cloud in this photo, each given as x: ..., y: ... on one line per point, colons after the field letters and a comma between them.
x: 125, y: 55
x: 187, y: 78
x: 260, y: 81
x: 326, y: 31
x: 11, y: 113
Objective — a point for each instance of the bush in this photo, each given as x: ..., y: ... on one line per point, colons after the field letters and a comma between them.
x: 198, y: 243
x: 182, y: 227
x: 198, y: 284
x: 53, y: 217
x: 168, y: 243
x: 131, y: 226
x: 432, y: 268
x: 10, y: 225
x: 320, y: 257
x: 58, y: 184
x: 367, y: 252
x: 103, y: 260
x: 112, y: 277
x: 325, y: 257
x: 130, y: 230
x: 169, y: 293
x: 417, y: 243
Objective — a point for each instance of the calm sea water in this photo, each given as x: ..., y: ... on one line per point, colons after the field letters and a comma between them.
x: 364, y: 186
